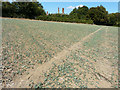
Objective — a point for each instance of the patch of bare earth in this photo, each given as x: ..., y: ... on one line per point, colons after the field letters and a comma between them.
x: 101, y: 71
x: 36, y: 74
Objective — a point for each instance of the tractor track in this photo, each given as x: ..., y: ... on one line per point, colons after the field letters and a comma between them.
x: 36, y: 73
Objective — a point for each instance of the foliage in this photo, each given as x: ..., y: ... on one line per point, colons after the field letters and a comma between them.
x: 29, y: 43
x: 34, y: 10
x: 80, y: 13
x: 80, y: 68
x: 22, y: 9
x: 63, y: 18
x: 8, y: 9
x: 114, y: 19
x: 73, y: 13
x: 98, y: 15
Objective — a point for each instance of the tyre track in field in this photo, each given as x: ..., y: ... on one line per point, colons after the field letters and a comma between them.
x: 36, y: 73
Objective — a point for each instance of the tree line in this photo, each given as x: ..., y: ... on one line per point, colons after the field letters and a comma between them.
x: 22, y: 9
x: 34, y: 10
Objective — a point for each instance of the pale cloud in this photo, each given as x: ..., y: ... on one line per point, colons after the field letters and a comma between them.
x: 79, y: 6
x: 72, y: 7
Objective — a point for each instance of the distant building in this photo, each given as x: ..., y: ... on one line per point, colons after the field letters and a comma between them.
x: 47, y: 12
x: 58, y: 10
x: 62, y: 10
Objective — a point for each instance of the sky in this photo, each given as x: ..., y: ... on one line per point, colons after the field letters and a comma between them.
x: 52, y: 5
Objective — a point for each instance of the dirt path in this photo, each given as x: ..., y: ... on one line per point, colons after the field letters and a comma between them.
x: 35, y: 74
x: 102, y: 69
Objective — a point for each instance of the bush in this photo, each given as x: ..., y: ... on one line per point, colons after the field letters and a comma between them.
x: 63, y: 18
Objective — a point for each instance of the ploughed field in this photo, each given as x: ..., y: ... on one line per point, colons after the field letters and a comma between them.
x: 41, y: 54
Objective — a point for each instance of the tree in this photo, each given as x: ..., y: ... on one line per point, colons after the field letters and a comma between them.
x: 114, y: 19
x: 22, y: 9
x: 98, y: 15
x: 82, y: 12
x: 7, y: 9
x: 73, y: 14
x: 34, y: 9
x: 0, y: 8
x: 79, y: 13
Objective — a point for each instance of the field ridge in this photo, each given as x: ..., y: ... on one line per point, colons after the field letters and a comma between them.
x: 37, y: 72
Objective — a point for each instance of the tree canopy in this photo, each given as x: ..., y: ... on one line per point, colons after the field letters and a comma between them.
x: 22, y: 9
x: 80, y: 13
x: 34, y: 10
x: 98, y: 15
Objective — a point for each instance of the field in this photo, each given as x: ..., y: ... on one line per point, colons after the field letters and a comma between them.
x: 41, y: 54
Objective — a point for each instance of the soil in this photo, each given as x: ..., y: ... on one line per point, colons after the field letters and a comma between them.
x: 36, y: 73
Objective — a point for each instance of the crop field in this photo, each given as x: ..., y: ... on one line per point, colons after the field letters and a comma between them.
x: 40, y: 54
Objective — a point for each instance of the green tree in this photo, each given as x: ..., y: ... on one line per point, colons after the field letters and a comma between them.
x: 0, y: 8
x: 73, y: 14
x: 8, y: 9
x: 79, y: 13
x: 114, y: 19
x: 82, y: 12
x: 98, y: 15
x: 22, y: 9
x: 34, y: 9
x: 29, y: 9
